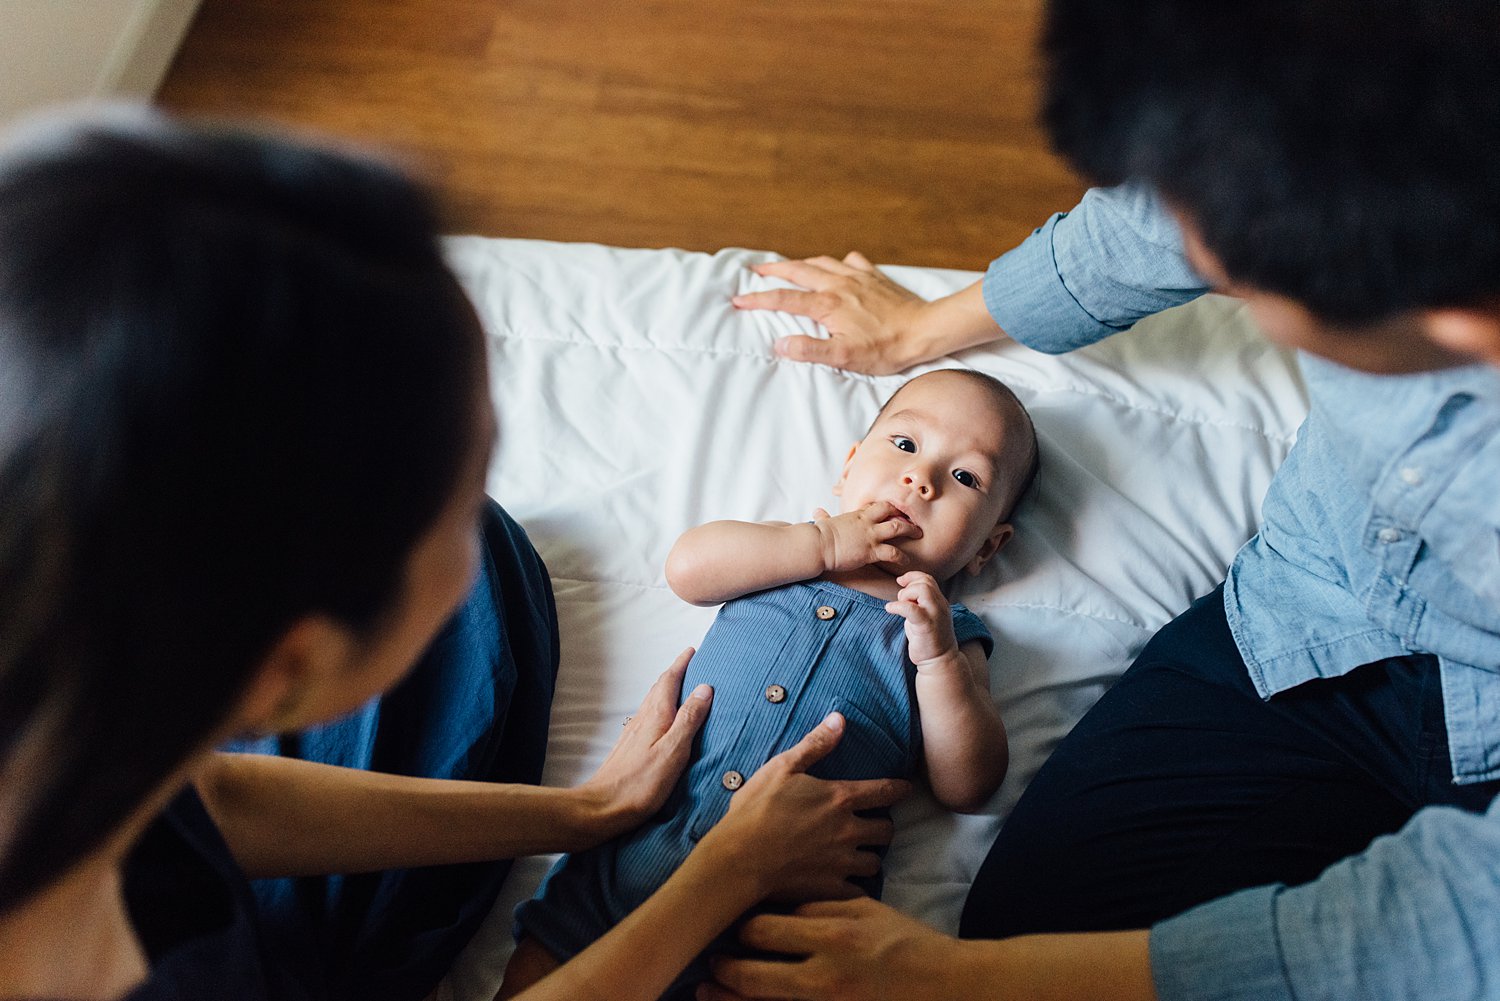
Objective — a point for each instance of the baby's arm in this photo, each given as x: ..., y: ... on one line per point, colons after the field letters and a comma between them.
x: 727, y: 559
x: 962, y: 733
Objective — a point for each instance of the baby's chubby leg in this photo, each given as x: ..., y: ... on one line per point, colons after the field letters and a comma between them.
x: 528, y: 964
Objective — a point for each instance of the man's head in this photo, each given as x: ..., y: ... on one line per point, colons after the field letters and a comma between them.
x: 954, y: 451
x: 1332, y: 162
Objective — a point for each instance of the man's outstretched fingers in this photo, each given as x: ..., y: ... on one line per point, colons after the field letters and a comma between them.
x: 817, y: 350
x: 785, y: 300
x: 803, y: 273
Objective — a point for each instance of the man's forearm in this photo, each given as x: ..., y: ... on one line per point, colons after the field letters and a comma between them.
x: 953, y: 323
x: 1090, y: 966
x: 283, y: 817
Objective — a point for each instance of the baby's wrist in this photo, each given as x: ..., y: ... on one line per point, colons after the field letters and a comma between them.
x: 946, y: 662
x: 825, y: 547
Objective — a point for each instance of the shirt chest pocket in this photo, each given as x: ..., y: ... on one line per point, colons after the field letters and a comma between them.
x: 870, y: 748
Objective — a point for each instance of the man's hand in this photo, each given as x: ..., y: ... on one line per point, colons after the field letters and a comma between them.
x: 871, y: 320
x: 859, y: 538
x: 852, y: 950
x: 930, y: 639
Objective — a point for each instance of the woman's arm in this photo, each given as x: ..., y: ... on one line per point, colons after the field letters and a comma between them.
x: 723, y: 560
x: 862, y: 950
x: 874, y: 325
x: 283, y: 817
x: 785, y: 835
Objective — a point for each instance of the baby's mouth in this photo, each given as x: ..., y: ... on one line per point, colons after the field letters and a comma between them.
x: 903, y: 514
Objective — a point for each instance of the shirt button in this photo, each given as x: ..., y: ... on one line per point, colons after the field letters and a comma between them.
x: 826, y: 612
x: 1411, y: 476
x: 775, y: 693
x: 733, y: 780
x: 1389, y: 535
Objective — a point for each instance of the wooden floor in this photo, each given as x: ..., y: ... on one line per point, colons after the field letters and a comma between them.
x: 903, y: 128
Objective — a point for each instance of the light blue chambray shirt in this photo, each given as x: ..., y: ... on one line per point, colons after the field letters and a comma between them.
x: 1381, y: 537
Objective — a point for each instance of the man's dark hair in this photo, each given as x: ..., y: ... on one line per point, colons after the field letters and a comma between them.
x: 1339, y: 152
x: 237, y: 386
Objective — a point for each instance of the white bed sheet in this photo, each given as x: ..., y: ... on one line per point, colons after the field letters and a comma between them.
x: 634, y: 402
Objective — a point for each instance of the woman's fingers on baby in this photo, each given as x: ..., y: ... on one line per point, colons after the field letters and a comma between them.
x: 690, y: 716
x: 873, y: 794
x: 812, y: 748
x: 874, y: 831
x: 713, y: 992
x: 661, y: 700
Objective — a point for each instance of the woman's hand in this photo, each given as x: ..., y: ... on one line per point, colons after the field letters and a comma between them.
x: 634, y: 781
x: 851, y: 950
x: 798, y: 836
x: 870, y: 319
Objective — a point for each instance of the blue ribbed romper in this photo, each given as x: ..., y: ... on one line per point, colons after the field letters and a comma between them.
x: 779, y: 661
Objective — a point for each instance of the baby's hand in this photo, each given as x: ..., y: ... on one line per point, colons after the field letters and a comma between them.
x: 858, y: 538
x: 930, y: 638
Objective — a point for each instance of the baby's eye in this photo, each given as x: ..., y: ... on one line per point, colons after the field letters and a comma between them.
x: 967, y: 478
x: 903, y: 443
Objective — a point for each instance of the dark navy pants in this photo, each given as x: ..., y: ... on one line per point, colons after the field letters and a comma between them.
x: 476, y: 707
x: 1182, y: 785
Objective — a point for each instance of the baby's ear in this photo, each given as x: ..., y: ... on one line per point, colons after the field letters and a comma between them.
x: 838, y: 488
x: 998, y: 537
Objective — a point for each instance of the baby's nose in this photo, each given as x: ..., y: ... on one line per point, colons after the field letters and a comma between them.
x: 923, y: 487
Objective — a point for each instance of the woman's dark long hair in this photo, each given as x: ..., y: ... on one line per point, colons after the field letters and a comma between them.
x: 237, y: 384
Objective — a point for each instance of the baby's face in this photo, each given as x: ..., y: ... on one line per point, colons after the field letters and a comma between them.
x: 949, y: 457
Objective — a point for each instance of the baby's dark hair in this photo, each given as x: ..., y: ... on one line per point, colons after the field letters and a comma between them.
x: 1005, y: 399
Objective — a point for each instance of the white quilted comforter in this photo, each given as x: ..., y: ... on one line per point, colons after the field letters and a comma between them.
x: 635, y: 402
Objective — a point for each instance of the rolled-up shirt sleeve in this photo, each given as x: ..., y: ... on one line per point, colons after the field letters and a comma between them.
x: 1415, y: 916
x: 1091, y: 272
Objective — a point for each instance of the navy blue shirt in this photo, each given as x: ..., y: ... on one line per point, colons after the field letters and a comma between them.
x: 196, y: 916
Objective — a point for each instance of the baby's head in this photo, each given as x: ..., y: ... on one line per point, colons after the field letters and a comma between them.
x: 954, y: 451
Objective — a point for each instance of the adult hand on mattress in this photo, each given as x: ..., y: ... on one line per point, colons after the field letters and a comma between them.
x: 870, y: 319
x: 859, y: 538
x: 849, y: 950
x: 801, y: 837
x: 633, y: 782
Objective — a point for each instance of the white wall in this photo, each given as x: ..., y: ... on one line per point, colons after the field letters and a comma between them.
x: 60, y: 50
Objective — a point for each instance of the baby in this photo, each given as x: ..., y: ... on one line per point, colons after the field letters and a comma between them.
x: 842, y: 613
